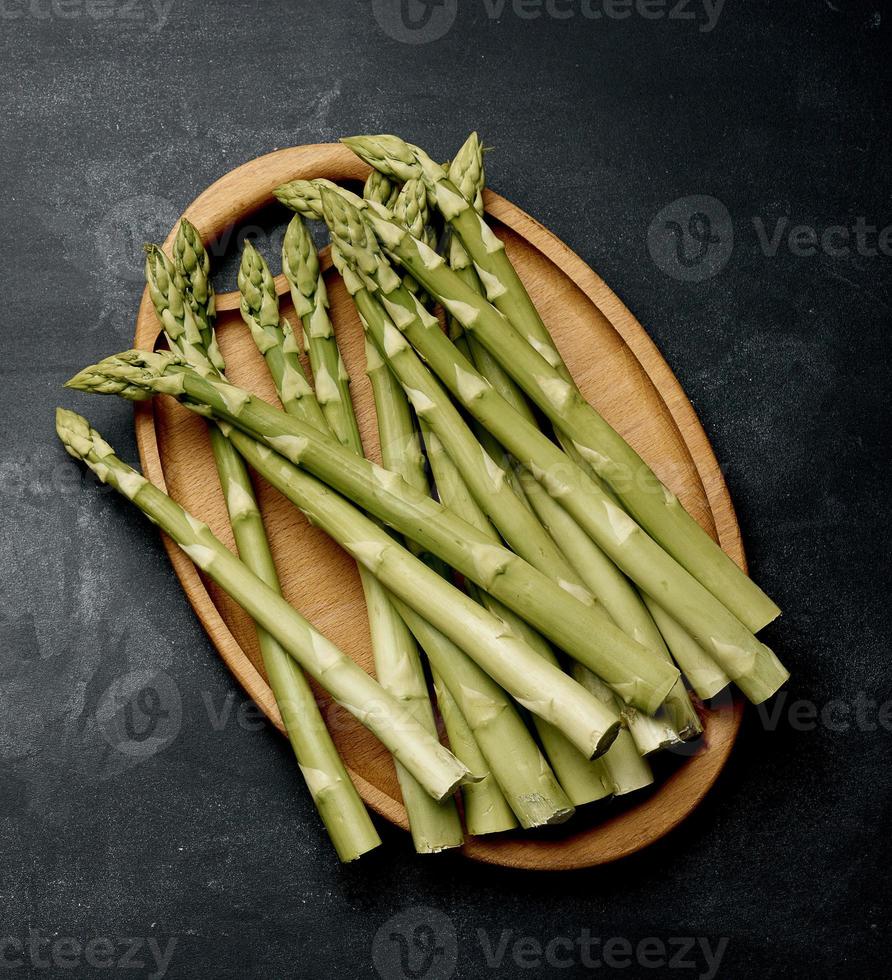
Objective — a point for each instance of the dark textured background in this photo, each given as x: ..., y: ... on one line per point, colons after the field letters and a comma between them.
x: 110, y: 127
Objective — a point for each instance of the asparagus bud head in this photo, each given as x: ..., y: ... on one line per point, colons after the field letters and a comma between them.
x: 299, y: 260
x: 259, y: 302
x: 134, y: 374
x: 466, y: 171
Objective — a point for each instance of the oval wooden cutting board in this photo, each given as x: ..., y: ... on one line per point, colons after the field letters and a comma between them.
x: 618, y: 369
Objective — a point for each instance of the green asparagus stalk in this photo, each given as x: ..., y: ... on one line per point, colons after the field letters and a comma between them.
x: 343, y: 812
x: 396, y: 428
x: 511, y: 753
x: 305, y: 197
x: 401, y: 453
x: 468, y: 174
x: 435, y: 826
x: 183, y: 300
x: 486, y: 481
x: 703, y: 673
x: 646, y: 498
x: 640, y: 679
x: 381, y: 189
x: 751, y: 664
x: 274, y: 338
x: 677, y: 719
x: 432, y: 764
x: 308, y: 294
x: 510, y: 663
x: 626, y: 768
x: 411, y: 209
x: 485, y: 807
x: 583, y: 780
x: 193, y: 265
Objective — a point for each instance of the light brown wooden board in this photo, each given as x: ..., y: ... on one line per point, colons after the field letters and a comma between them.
x: 618, y: 369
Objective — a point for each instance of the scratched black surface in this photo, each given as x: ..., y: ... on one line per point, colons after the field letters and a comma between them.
x: 208, y: 848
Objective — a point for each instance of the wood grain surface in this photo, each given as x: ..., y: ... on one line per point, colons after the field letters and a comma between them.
x: 618, y: 369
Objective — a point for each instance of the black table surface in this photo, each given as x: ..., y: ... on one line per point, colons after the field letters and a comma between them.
x: 725, y: 169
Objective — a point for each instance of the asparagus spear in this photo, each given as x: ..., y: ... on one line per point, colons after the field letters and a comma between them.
x: 583, y: 780
x: 432, y: 764
x: 301, y: 267
x: 677, y: 719
x: 396, y: 429
x: 751, y: 664
x: 485, y: 807
x: 434, y: 826
x: 140, y: 374
x: 183, y: 300
x: 193, y: 267
x: 640, y: 679
x: 305, y: 196
x: 652, y: 504
x: 703, y: 673
x: 381, y: 189
x: 518, y: 526
x: 514, y: 758
x: 486, y: 810
x: 626, y: 768
x: 275, y: 338
x: 466, y: 171
x: 411, y: 209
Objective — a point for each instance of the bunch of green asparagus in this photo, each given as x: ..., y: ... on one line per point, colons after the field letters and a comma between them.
x: 528, y: 578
